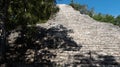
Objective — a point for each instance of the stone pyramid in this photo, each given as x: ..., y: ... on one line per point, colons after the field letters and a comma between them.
x: 95, y: 37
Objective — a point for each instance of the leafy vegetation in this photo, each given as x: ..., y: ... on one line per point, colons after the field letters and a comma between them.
x: 99, y: 17
x: 81, y: 8
x: 20, y: 16
x: 117, y: 20
x: 27, y: 12
x: 104, y: 18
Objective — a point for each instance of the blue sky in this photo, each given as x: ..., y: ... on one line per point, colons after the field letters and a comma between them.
x: 103, y: 6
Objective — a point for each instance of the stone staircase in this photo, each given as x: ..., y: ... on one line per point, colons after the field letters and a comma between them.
x: 91, y: 59
x: 100, y: 38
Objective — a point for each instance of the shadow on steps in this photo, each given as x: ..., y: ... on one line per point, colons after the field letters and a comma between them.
x: 93, y: 59
x: 33, y: 49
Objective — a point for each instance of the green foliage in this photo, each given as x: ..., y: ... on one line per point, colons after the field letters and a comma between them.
x: 104, y: 18
x: 99, y: 17
x: 91, y: 12
x: 109, y: 18
x: 28, y: 12
x: 22, y: 15
x: 82, y: 8
x: 117, y: 20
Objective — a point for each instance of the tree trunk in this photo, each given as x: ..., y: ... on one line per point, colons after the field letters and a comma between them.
x: 4, y: 20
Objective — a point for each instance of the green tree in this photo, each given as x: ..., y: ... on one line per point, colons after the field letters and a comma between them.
x: 117, y: 20
x: 91, y: 12
x: 108, y: 18
x: 23, y: 13
x: 82, y: 8
x: 98, y: 17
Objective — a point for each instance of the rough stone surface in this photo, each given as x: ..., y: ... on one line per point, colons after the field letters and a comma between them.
x: 97, y: 37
